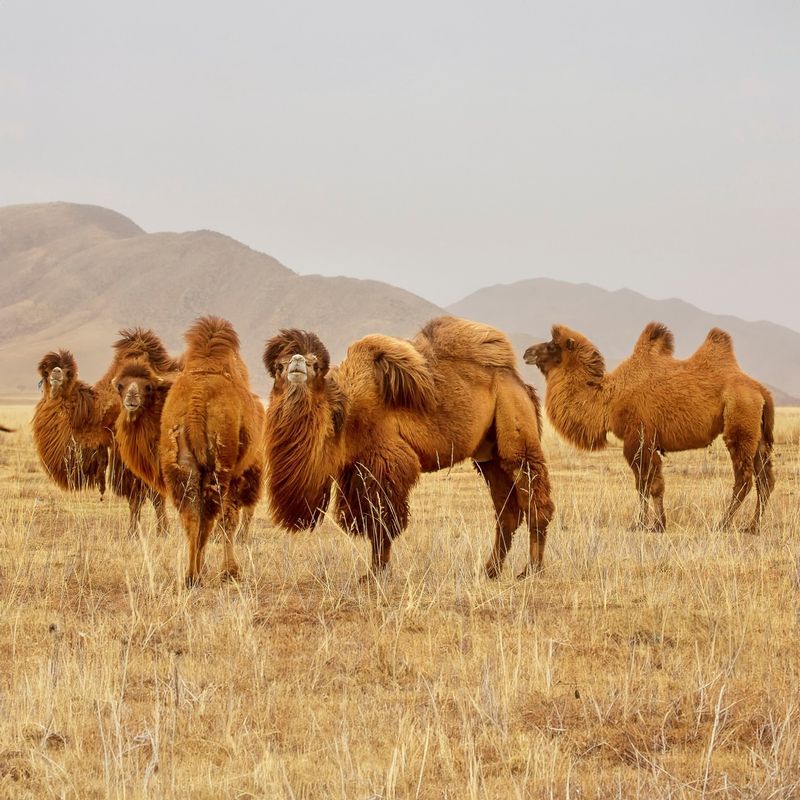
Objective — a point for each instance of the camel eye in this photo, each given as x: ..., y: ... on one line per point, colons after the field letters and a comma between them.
x: 148, y: 388
x: 119, y: 388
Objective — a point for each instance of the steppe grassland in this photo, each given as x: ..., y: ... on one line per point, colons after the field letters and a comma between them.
x: 637, y: 665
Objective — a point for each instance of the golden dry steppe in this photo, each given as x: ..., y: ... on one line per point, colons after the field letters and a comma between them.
x: 636, y: 665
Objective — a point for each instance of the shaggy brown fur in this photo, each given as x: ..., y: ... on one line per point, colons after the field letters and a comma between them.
x: 392, y: 410
x: 74, y: 423
x: 212, y: 441
x: 67, y: 426
x: 659, y: 404
x: 142, y: 393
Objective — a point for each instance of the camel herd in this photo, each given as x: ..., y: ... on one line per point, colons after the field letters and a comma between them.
x: 190, y: 431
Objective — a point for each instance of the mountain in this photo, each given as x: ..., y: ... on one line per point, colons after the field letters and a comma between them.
x: 613, y: 321
x: 73, y: 275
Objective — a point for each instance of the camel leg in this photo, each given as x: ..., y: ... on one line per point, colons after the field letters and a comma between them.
x: 243, y: 533
x: 191, y: 525
x: 532, y: 486
x: 204, y: 528
x: 646, y: 465
x: 372, y: 498
x: 230, y: 523
x: 742, y: 447
x: 381, y: 553
x: 765, y: 483
x: 508, y: 514
x: 135, y: 503
x: 522, y: 460
x: 162, y: 518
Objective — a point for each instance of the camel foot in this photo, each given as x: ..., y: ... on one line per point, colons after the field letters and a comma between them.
x: 492, y: 570
x: 230, y: 572
x: 530, y: 571
x: 753, y: 529
x: 191, y: 581
x: 373, y: 575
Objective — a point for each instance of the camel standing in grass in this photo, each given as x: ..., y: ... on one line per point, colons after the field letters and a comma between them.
x: 392, y: 410
x: 659, y: 404
x: 211, y: 444
x: 143, y: 393
x: 74, y: 424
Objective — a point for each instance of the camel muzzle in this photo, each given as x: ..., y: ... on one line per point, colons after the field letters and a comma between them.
x: 533, y: 354
x: 298, y: 370
x: 56, y: 379
x: 131, y: 402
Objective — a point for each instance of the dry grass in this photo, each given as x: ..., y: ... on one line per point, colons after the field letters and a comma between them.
x: 637, y: 665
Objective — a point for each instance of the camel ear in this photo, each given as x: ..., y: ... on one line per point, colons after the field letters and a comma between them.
x: 570, y: 344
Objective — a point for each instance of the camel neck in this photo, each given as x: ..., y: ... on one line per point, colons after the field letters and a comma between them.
x: 578, y: 406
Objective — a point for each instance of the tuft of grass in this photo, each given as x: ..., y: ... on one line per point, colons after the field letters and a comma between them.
x: 637, y: 665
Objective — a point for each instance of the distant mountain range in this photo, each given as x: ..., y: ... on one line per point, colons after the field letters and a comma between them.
x: 73, y: 275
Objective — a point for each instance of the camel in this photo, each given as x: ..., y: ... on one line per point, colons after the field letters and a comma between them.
x: 392, y: 410
x: 658, y: 404
x: 73, y: 424
x: 211, y: 443
x: 143, y: 393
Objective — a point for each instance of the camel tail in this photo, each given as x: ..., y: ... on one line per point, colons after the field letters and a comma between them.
x: 768, y: 421
x: 536, y: 404
x: 6, y: 430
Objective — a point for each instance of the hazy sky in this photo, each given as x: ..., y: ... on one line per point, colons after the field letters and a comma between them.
x: 441, y: 146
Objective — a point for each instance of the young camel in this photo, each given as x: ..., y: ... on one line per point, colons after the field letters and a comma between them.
x: 392, y: 410
x: 211, y: 444
x: 658, y: 404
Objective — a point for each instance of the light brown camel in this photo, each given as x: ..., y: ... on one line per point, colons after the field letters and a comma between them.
x: 392, y: 410
x: 212, y: 441
x: 658, y: 404
x: 143, y: 393
x: 73, y: 424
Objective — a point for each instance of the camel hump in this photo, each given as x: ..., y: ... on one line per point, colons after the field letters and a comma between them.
x: 143, y: 343
x: 721, y: 338
x: 401, y: 372
x: 656, y: 338
x: 211, y: 338
x: 464, y: 340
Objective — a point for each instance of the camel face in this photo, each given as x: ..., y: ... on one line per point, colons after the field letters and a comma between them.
x: 545, y: 356
x: 135, y: 391
x: 59, y: 380
x: 58, y: 371
x: 296, y: 359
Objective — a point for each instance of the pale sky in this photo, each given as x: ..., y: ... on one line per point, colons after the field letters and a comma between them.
x: 439, y: 146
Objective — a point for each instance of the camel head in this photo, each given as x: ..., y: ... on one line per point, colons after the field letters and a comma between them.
x: 59, y: 373
x: 136, y: 385
x: 569, y: 350
x: 297, y: 360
